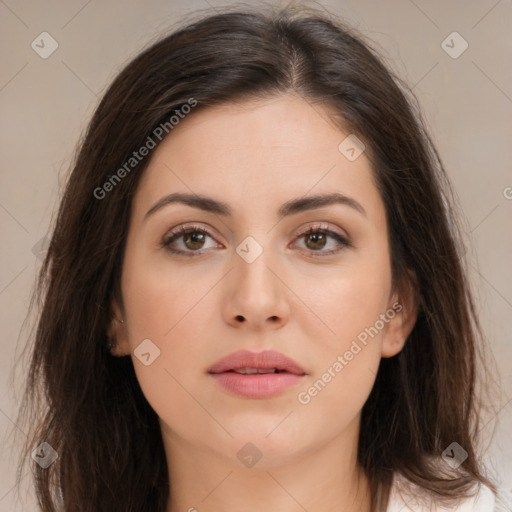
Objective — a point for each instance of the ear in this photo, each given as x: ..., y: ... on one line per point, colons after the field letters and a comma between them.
x: 117, y: 331
x: 404, y: 303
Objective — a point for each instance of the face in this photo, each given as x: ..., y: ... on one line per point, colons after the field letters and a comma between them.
x: 312, y: 282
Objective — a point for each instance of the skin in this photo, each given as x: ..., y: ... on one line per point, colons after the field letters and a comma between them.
x: 255, y: 156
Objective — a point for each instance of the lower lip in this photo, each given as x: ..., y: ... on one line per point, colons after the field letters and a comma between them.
x: 258, y: 385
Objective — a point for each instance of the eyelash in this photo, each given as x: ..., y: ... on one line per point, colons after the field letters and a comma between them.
x: 181, y: 231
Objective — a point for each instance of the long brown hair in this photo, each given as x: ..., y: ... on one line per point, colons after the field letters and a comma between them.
x: 88, y: 406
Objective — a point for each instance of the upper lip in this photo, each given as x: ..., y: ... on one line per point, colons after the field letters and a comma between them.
x: 264, y: 360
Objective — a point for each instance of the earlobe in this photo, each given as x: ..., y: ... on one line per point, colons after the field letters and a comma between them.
x: 116, y: 333
x: 405, y: 306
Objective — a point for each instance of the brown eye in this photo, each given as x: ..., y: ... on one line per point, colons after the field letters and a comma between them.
x: 195, y: 239
x: 192, y: 240
x: 316, y: 238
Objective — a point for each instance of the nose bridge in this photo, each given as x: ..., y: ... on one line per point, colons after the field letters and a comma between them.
x: 253, y: 260
x: 257, y: 291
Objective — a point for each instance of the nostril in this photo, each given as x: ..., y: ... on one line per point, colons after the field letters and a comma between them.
x: 240, y: 318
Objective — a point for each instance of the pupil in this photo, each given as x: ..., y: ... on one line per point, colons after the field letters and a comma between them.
x: 316, y: 236
x: 194, y: 236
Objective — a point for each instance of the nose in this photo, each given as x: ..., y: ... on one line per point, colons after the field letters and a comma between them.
x: 256, y: 295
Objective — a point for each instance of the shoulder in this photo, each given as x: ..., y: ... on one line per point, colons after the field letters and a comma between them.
x: 407, y: 497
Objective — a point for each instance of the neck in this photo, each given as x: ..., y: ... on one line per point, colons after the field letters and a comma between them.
x: 326, y: 478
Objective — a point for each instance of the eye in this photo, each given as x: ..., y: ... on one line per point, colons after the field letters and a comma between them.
x: 317, y: 237
x: 193, y: 239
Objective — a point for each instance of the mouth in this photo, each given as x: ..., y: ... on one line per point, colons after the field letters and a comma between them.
x: 254, y: 371
x: 247, y: 362
x: 256, y: 374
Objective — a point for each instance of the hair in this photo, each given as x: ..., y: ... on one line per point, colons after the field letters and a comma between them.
x: 89, y: 406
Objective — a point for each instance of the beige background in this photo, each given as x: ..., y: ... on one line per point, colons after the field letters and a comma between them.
x: 46, y: 103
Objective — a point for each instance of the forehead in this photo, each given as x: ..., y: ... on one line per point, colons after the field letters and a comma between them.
x: 256, y: 152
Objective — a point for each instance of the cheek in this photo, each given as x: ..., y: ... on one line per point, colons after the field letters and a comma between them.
x: 348, y: 351
x: 160, y: 307
x: 350, y: 302
x: 158, y: 298
x: 346, y: 362
x: 168, y: 308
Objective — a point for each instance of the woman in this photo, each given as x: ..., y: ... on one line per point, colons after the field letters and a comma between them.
x: 253, y: 297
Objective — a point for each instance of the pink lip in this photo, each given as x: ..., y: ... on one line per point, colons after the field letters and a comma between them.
x: 256, y: 385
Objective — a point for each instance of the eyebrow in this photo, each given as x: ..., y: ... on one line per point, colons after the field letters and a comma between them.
x: 291, y: 207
